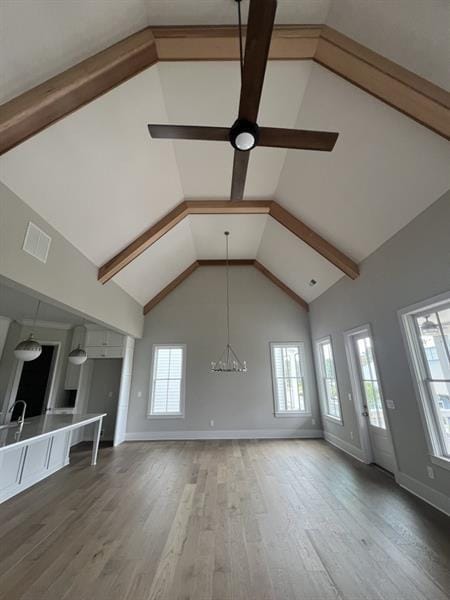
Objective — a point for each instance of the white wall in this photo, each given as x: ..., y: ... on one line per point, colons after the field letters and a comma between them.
x: 410, y: 267
x: 68, y: 278
x: 239, y: 404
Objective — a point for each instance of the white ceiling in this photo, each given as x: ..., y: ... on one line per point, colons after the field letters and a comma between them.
x: 100, y: 180
x: 41, y: 38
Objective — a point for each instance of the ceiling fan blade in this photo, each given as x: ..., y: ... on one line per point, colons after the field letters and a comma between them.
x: 189, y: 132
x: 301, y: 139
x: 261, y: 17
x: 240, y: 165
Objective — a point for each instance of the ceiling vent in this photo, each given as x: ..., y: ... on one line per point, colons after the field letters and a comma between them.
x: 37, y: 242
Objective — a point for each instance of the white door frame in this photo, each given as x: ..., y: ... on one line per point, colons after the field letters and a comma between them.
x: 358, y: 399
x: 50, y: 391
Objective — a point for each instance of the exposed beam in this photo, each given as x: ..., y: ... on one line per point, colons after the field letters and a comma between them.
x: 412, y: 95
x: 314, y: 240
x: 169, y: 288
x: 141, y: 243
x: 289, y: 42
x: 220, y: 263
x: 281, y: 285
x: 214, y: 207
x: 155, y: 232
x: 36, y: 109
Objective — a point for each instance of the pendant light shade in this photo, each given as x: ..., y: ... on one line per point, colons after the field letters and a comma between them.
x: 28, y: 349
x: 78, y: 356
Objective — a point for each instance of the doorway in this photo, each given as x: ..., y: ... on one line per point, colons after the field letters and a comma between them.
x: 104, y: 395
x: 368, y: 397
x: 34, y: 382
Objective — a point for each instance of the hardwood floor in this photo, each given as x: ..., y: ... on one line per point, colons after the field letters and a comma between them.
x: 222, y: 520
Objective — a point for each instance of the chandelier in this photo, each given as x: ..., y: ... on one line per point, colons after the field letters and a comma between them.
x: 228, y: 361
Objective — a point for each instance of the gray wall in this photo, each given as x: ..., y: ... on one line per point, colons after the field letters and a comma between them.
x: 412, y: 266
x: 68, y: 277
x: 194, y: 314
x: 104, y: 392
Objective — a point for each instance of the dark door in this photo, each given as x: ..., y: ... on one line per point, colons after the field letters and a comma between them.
x: 33, y: 383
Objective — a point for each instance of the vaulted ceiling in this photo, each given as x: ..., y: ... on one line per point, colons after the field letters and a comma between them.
x: 100, y: 180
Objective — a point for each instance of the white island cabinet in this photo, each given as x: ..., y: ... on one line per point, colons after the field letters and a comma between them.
x: 39, y: 449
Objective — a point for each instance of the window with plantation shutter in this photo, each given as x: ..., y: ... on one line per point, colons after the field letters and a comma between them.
x: 167, y: 384
x: 288, y: 378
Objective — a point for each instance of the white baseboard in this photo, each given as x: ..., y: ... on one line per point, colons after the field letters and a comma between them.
x: 238, y: 434
x: 424, y: 492
x: 345, y: 446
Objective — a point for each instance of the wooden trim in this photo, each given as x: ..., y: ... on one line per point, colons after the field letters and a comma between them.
x: 170, y: 287
x: 212, y: 207
x: 220, y: 263
x: 36, y: 109
x: 403, y: 90
x: 289, y: 42
x: 281, y: 285
x: 155, y: 232
x: 141, y: 243
x: 314, y: 240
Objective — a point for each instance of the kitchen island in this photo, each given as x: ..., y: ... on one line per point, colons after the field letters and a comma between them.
x: 39, y: 448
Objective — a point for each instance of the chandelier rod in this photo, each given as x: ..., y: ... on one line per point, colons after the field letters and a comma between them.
x: 227, y: 233
x: 241, y: 50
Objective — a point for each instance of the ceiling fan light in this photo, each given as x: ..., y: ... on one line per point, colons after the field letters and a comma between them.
x: 78, y: 356
x: 244, y: 135
x: 429, y: 327
x: 28, y: 350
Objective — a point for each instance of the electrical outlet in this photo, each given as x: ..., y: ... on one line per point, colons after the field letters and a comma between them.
x: 211, y: 423
x: 110, y: 394
x: 390, y: 404
x: 430, y: 472
x: 139, y: 394
x: 351, y: 435
x: 313, y: 421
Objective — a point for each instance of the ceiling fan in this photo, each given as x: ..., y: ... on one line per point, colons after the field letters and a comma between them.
x: 245, y: 133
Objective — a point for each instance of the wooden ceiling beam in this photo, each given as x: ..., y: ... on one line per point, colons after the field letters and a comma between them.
x: 155, y: 232
x: 214, y: 207
x: 220, y: 263
x: 314, y: 240
x: 170, y: 287
x: 281, y: 285
x: 36, y: 109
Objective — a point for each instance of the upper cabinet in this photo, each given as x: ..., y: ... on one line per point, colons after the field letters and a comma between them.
x: 104, y: 344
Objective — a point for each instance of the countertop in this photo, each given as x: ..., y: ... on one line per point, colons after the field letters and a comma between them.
x: 44, y: 426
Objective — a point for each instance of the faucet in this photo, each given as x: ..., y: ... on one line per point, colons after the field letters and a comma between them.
x: 21, y: 419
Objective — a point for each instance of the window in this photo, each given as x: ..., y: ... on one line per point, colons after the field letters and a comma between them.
x: 427, y: 333
x: 288, y: 378
x: 328, y: 382
x: 369, y: 380
x: 167, y: 381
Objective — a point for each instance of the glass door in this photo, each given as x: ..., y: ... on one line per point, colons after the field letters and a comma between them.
x: 369, y: 399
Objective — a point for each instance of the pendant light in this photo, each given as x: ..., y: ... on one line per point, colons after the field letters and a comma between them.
x: 78, y: 356
x: 429, y: 327
x: 29, y: 349
x: 228, y: 361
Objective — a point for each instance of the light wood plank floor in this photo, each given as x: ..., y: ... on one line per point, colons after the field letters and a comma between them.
x: 221, y: 520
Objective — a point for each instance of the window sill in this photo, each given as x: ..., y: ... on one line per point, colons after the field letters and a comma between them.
x: 441, y: 461
x: 173, y: 416
x: 292, y: 414
x: 334, y: 420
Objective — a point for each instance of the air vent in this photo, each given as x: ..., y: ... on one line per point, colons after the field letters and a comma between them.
x: 37, y: 242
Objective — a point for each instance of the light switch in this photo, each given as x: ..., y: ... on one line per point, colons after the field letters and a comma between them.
x: 390, y: 404
x: 430, y: 472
